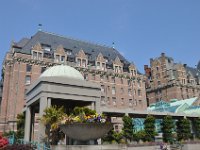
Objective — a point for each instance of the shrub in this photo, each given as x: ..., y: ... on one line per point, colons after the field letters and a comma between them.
x: 183, y: 129
x: 167, y: 129
x: 128, y: 128
x: 149, y: 128
x: 197, y: 127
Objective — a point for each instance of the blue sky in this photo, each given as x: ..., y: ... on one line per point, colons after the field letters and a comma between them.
x: 141, y: 29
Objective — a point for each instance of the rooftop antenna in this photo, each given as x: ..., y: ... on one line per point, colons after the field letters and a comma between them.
x: 113, y: 45
x: 39, y: 27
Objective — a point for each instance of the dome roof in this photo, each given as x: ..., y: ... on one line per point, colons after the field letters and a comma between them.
x: 62, y: 71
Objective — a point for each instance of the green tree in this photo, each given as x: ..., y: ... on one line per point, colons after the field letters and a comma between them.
x: 149, y: 128
x: 20, y: 125
x: 51, y: 118
x: 113, y: 136
x: 183, y: 129
x: 197, y: 127
x: 140, y: 135
x: 167, y: 129
x: 128, y: 128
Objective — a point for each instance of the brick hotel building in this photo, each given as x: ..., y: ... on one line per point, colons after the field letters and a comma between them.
x: 169, y: 80
x: 122, y: 86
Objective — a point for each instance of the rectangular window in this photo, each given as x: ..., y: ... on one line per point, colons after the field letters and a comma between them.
x: 130, y: 102
x: 69, y: 52
x: 108, y: 100
x: 140, y: 102
x: 129, y: 92
x: 113, y: 90
x: 34, y: 55
x: 28, y: 79
x: 98, y: 65
x: 102, y: 88
x: 103, y: 100
x: 79, y: 62
x: 57, y: 58
x: 139, y: 93
x: 39, y: 56
x: 114, y: 101
x: 122, y: 101
x: 28, y: 68
x: 62, y: 58
x: 116, y: 69
x: 108, y: 89
x: 113, y: 79
x: 122, y: 90
x: 135, y: 72
x: 84, y: 63
x: 120, y: 69
x: 132, y: 73
x: 103, y: 66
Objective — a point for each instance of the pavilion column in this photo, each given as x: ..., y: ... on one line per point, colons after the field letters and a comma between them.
x: 27, y: 132
x: 43, y: 104
x: 97, y: 105
x: 48, y: 102
x: 93, y: 105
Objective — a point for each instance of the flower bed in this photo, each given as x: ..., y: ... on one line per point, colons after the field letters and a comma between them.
x: 85, y: 124
x: 3, y: 142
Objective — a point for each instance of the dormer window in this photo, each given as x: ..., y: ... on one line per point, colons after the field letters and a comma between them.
x: 79, y: 62
x: 132, y: 73
x: 62, y: 58
x: 103, y: 66
x: 69, y: 52
x: 37, y: 55
x: 46, y: 47
x: 116, y: 69
x: 57, y: 58
x: 98, y: 65
x: 120, y: 69
x: 34, y: 55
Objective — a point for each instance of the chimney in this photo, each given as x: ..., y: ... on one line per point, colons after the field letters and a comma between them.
x: 146, y: 67
x: 163, y: 54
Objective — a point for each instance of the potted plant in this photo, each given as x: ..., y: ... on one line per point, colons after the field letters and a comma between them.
x: 85, y: 124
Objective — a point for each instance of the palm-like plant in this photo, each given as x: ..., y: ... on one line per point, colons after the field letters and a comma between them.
x: 51, y: 118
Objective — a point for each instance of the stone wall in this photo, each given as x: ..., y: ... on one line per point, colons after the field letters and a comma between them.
x: 119, y: 147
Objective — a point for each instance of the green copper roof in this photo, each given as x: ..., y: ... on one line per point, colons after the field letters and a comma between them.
x: 189, y: 101
x: 175, y: 106
x: 63, y: 71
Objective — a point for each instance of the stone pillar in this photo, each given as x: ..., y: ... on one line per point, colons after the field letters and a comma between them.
x: 93, y: 106
x: 48, y: 102
x: 41, y: 131
x: 97, y: 105
x: 27, y: 131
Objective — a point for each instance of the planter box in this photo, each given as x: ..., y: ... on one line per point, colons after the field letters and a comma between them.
x: 86, y: 131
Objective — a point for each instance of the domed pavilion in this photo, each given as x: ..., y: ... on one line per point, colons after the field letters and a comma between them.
x: 61, y: 86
